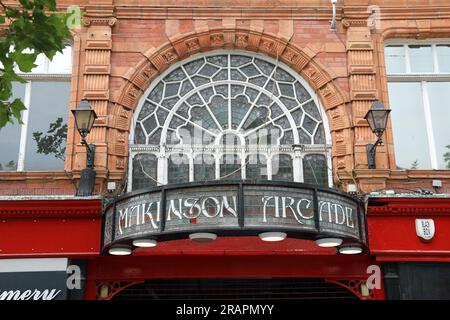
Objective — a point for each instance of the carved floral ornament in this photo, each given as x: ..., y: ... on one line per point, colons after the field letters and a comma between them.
x: 99, y: 21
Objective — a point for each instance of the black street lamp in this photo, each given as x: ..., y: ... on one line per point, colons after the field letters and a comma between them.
x: 377, y: 118
x: 84, y: 120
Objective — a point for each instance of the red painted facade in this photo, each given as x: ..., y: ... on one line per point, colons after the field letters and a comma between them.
x: 392, y: 235
x: 50, y: 228
x: 125, y: 45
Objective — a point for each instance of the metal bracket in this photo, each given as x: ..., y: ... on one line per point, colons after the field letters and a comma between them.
x: 87, y: 178
x: 371, y: 150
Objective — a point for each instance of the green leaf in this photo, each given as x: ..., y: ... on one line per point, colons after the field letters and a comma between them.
x: 26, y: 4
x: 36, y: 26
x: 25, y: 61
x: 17, y: 107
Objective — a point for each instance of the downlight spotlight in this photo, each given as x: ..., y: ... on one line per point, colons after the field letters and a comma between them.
x: 120, y: 251
x: 328, y: 242
x: 203, y: 237
x: 144, y: 243
x: 272, y: 236
x: 350, y: 249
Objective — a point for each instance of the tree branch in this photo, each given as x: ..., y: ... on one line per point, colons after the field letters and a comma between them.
x: 3, y: 6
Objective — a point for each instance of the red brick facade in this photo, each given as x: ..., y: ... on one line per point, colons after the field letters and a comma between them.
x: 124, y: 45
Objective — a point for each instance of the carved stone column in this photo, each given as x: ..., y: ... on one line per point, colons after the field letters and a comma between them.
x: 96, y: 70
x: 363, y: 91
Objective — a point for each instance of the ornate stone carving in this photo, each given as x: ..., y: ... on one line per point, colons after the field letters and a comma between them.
x: 299, y: 60
x: 267, y: 45
x: 99, y: 21
x: 121, y: 137
x: 241, y: 40
x: 347, y: 23
x: 290, y: 55
x: 216, y: 39
x: 169, y: 55
x: 192, y: 45
x: 123, y: 113
x: 120, y: 162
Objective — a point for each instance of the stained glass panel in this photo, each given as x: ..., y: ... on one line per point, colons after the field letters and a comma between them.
x: 229, y: 94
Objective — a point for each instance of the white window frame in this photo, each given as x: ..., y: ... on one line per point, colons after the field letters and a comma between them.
x: 30, y: 77
x: 423, y: 79
x: 242, y: 152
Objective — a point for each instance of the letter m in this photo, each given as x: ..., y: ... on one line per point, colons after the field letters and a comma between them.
x: 10, y: 295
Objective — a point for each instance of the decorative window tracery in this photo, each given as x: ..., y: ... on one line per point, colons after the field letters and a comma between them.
x: 207, y: 117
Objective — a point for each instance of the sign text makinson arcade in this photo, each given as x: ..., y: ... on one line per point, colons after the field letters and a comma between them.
x: 202, y: 211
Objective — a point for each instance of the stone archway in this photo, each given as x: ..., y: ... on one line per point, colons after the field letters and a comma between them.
x: 302, y: 61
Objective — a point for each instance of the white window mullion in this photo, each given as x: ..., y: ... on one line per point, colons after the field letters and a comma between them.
x: 46, y: 65
x: 191, y: 168
x: 243, y: 165
x: 297, y: 166
x: 130, y: 172
x: 230, y: 125
x: 217, y: 160
x: 24, y: 127
x: 429, y: 125
x: 162, y: 172
x: 435, y: 58
x: 329, y: 169
x: 407, y: 59
x: 269, y: 166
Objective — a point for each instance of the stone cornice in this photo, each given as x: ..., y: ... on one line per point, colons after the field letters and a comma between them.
x: 63, y: 208
x: 395, y: 175
x: 397, y: 12
x: 238, y: 12
x: 35, y: 175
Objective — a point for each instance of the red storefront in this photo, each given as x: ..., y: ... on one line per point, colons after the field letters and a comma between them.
x: 72, y: 228
x: 147, y: 71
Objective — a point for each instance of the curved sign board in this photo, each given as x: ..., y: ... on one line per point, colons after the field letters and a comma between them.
x: 233, y: 208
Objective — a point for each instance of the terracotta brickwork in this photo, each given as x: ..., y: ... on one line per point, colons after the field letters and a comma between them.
x: 125, y: 44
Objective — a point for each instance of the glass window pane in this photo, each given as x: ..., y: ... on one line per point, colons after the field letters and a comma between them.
x: 282, y: 167
x: 439, y: 94
x: 47, y: 126
x: 315, y: 169
x: 256, y: 168
x: 61, y: 62
x: 230, y: 167
x: 409, y: 127
x: 10, y: 136
x: 443, y: 54
x: 144, y: 171
x: 395, y: 59
x: 204, y: 168
x: 178, y: 168
x: 421, y: 59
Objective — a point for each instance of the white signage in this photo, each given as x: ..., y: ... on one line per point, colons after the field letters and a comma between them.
x: 425, y: 229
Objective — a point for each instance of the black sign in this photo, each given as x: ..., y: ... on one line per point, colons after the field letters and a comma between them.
x: 233, y: 208
x: 43, y: 285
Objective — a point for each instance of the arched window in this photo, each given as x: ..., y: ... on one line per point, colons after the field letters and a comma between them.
x: 220, y: 110
x: 282, y: 167
x: 256, y: 167
x: 178, y: 171
x: 145, y: 167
